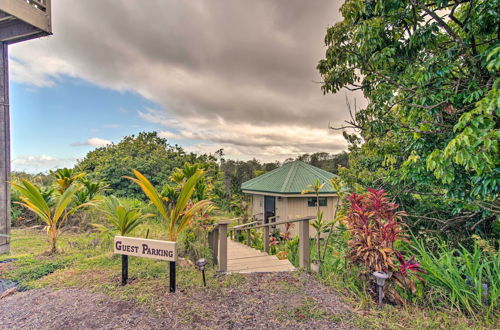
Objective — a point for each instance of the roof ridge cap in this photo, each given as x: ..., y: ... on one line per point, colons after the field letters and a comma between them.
x: 290, y: 173
x: 261, y: 177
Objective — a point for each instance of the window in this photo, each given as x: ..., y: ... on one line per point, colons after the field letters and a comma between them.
x: 311, y: 201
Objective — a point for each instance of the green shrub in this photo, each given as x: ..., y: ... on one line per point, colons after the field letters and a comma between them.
x: 457, y: 276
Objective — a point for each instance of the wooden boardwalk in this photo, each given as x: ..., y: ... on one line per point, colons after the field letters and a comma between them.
x: 244, y: 259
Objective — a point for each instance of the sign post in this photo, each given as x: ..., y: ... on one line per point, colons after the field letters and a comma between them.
x: 146, y: 248
x: 124, y: 269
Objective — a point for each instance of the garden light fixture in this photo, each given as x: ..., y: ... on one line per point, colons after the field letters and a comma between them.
x: 380, y: 277
x: 201, y: 263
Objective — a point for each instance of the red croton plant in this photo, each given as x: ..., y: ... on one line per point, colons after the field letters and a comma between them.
x: 375, y: 225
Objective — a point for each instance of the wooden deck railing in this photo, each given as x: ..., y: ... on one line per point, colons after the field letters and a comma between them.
x: 217, y: 238
x: 304, y: 249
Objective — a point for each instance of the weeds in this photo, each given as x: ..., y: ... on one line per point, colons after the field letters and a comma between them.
x: 470, y: 280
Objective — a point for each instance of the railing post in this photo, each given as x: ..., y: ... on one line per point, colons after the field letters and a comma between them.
x: 216, y: 244
x: 304, y: 244
x: 248, y: 237
x: 223, y: 246
x: 211, y: 239
x: 266, y: 239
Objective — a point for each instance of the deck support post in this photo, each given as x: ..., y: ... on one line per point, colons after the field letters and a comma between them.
x: 215, y: 248
x: 210, y: 239
x: 266, y: 239
x: 4, y: 151
x: 223, y: 246
x: 304, y: 252
x: 249, y: 242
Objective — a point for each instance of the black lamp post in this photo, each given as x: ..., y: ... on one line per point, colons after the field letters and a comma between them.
x: 380, y: 277
x: 201, y: 263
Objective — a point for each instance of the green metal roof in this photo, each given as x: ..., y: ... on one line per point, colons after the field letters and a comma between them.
x: 291, y: 178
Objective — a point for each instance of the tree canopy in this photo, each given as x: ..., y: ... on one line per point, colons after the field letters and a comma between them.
x: 429, y: 133
x: 147, y: 152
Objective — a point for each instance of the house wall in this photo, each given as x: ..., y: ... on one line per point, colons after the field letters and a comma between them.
x: 258, y: 205
x: 295, y: 207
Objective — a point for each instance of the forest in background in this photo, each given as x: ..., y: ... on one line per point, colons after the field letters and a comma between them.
x: 154, y: 157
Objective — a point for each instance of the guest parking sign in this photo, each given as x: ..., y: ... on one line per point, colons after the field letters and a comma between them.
x: 146, y: 248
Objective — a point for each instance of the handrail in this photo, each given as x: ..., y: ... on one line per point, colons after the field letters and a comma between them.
x: 249, y: 225
x: 245, y: 224
x: 223, y: 222
x: 243, y: 227
x: 269, y: 224
x: 304, y: 250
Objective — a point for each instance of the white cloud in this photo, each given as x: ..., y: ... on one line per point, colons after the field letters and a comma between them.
x: 170, y: 135
x: 93, y: 142
x: 215, y: 86
x: 40, y: 163
x: 245, y: 140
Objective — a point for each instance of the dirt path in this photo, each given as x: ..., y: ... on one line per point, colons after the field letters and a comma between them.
x: 71, y: 309
x: 262, y: 301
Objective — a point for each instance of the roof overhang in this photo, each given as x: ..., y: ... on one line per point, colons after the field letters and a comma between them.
x: 268, y: 193
x: 24, y: 19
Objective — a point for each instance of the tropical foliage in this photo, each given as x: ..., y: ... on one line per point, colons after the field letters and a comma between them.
x: 177, y: 214
x: 64, y: 177
x: 123, y: 218
x: 147, y: 152
x: 429, y: 134
x: 470, y: 280
x: 318, y: 224
x: 374, y: 225
x: 53, y: 213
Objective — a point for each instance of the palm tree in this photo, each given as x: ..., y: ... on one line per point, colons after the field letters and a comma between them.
x: 123, y: 218
x: 53, y: 214
x: 65, y: 177
x: 179, y: 214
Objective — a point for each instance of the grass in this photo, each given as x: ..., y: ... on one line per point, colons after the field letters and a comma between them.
x: 461, y: 274
x: 308, y: 309
x: 82, y: 263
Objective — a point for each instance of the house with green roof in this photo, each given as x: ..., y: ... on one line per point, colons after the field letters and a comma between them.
x: 276, y: 195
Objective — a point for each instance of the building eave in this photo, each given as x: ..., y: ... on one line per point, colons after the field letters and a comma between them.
x: 280, y: 194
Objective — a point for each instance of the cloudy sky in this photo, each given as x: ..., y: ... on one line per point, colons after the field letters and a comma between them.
x: 238, y: 75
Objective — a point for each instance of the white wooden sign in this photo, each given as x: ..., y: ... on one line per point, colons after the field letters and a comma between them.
x: 147, y: 248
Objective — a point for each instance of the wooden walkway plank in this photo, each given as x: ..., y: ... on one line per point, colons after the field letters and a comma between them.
x: 244, y: 259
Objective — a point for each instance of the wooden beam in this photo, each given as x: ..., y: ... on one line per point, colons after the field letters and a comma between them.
x: 223, y: 247
x: 304, y: 252
x: 16, y: 29
x: 7, y: 18
x: 266, y: 239
x: 277, y: 223
x: 4, y: 150
x: 28, y: 13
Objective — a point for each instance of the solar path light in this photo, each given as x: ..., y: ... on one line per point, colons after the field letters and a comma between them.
x: 201, y: 263
x: 380, y: 277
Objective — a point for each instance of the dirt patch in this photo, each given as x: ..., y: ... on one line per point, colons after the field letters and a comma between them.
x: 257, y: 301
x: 276, y: 301
x: 72, y: 309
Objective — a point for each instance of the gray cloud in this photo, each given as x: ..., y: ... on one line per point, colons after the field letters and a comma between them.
x: 232, y: 62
